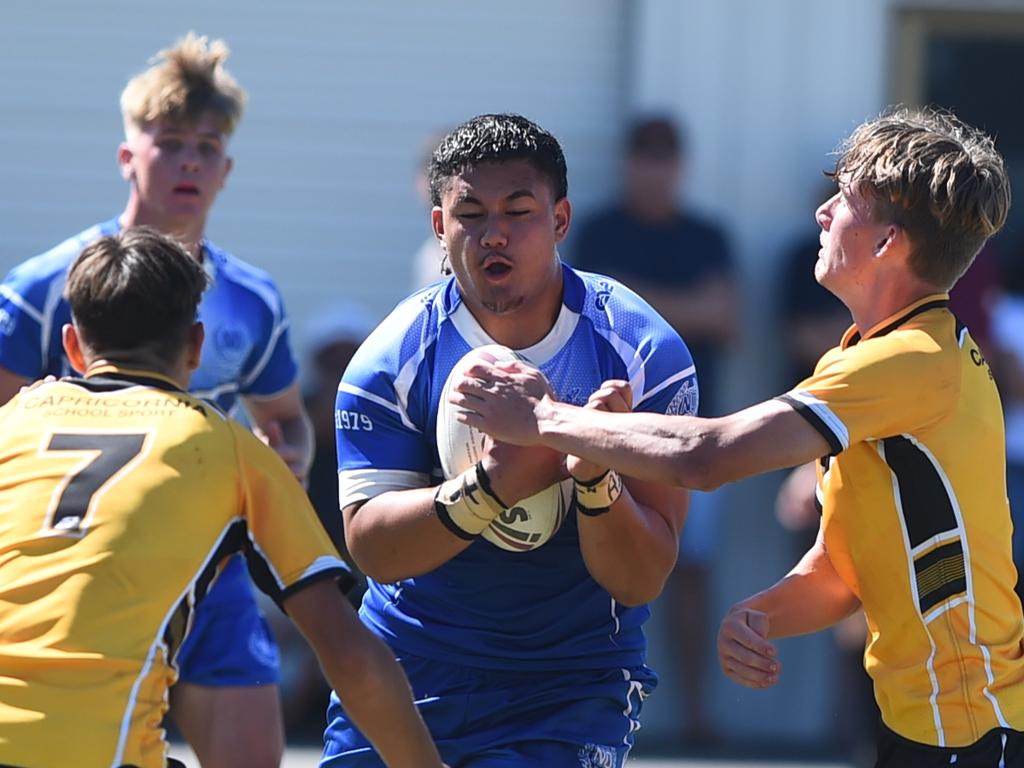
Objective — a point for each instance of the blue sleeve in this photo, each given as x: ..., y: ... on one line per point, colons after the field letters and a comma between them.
x: 372, y: 423
x: 22, y: 324
x: 275, y: 368
x: 670, y: 378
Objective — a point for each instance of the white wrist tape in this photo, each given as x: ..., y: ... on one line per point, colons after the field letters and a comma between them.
x: 595, y: 497
x: 466, y: 504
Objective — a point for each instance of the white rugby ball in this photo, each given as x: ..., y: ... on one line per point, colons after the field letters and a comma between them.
x: 530, y: 522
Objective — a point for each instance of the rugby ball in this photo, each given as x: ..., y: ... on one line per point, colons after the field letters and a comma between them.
x: 530, y: 522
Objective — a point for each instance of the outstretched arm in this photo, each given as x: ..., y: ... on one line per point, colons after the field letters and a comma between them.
x: 512, y: 403
x: 363, y: 672
x: 809, y: 598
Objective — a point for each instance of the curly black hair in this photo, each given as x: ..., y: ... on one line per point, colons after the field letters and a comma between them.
x: 497, y: 138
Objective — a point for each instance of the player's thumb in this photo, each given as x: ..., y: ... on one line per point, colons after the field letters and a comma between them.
x: 758, y: 622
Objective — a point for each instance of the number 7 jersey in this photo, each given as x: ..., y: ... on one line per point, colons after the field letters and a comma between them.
x: 120, y: 496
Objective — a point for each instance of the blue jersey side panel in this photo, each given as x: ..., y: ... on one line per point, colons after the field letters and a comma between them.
x: 246, y: 351
x: 488, y: 607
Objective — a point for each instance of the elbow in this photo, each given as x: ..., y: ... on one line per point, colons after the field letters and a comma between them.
x: 698, y: 472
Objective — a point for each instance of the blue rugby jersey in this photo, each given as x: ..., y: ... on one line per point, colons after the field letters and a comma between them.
x: 487, y: 607
x: 246, y: 352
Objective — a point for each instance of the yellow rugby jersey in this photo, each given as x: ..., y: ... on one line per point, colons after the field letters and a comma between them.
x: 120, y: 495
x: 917, y: 523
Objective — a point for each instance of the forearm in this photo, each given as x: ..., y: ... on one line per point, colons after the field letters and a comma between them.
x: 684, y: 451
x: 651, y: 447
x: 808, y: 599
x: 298, y: 433
x: 375, y: 694
x: 398, y: 535
x: 363, y: 672
x: 629, y: 550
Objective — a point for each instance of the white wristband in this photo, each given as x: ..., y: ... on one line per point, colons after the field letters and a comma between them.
x: 466, y: 504
x: 595, y: 497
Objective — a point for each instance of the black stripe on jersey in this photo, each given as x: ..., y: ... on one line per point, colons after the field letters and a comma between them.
x: 263, y: 576
x: 927, y: 508
x: 112, y: 382
x: 938, y: 303
x: 232, y: 542
x: 834, y: 444
x: 940, y: 574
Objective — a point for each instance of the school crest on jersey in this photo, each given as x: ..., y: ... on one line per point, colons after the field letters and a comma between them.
x: 597, y: 756
x: 685, y: 401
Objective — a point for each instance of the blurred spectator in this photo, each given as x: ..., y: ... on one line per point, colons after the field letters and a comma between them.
x: 681, y: 264
x: 332, y: 339
x: 1006, y: 350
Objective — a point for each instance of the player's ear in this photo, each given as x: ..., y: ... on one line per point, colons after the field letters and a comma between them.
x: 229, y: 163
x: 124, y: 161
x: 437, y: 222
x: 196, y: 334
x: 563, y: 217
x: 73, y: 347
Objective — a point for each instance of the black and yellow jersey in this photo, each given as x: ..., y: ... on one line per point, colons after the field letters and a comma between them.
x: 916, y: 521
x: 120, y: 495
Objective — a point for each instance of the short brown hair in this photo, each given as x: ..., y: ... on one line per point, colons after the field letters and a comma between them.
x: 135, y: 290
x: 184, y: 83
x: 938, y: 178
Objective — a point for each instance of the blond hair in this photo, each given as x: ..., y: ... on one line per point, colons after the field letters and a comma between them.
x: 183, y: 84
x: 938, y: 178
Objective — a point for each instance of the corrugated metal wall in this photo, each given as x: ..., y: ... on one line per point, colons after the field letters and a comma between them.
x: 342, y: 98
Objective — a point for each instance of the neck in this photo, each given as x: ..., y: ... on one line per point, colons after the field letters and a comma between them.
x: 529, y: 323
x: 887, y: 300
x: 187, y: 232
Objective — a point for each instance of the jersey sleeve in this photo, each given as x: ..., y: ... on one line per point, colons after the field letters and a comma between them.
x: 287, y: 546
x: 665, y: 381
x: 22, y: 323
x: 872, y: 391
x: 274, y: 368
x: 381, y: 447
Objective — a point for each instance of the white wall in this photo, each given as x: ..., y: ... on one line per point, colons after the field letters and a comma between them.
x: 342, y: 97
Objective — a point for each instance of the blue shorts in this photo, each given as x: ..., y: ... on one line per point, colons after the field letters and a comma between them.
x: 482, y: 718
x: 230, y: 643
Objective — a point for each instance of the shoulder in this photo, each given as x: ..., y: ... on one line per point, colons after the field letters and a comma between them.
x: 244, y: 279
x: 403, y: 338
x: 612, y: 306
x: 52, y: 265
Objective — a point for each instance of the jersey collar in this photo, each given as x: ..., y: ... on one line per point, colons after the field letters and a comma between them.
x: 134, y: 375
x: 895, y: 320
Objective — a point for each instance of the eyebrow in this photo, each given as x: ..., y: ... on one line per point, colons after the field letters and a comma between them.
x: 466, y: 197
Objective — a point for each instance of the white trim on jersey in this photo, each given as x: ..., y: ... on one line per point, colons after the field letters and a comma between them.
x: 630, y: 358
x: 963, y: 336
x: 971, y: 601
x: 358, y: 392
x: 158, y: 642
x: 268, y: 351
x: 539, y: 354
x: 686, y: 373
x: 823, y: 412
x: 912, y: 575
x: 356, y: 485
x: 19, y: 301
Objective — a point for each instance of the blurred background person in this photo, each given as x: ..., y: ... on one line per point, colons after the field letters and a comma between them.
x: 332, y: 337
x: 680, y: 262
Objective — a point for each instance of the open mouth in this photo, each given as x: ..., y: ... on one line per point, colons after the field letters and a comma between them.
x: 496, y: 266
x: 187, y: 189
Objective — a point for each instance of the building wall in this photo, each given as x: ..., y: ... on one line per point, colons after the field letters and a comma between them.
x: 342, y: 99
